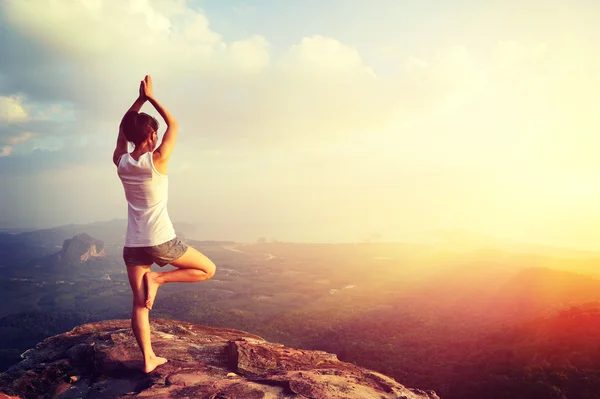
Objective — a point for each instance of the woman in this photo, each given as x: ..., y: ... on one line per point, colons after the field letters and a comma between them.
x: 150, y: 235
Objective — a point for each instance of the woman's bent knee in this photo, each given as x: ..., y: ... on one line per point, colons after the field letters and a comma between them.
x: 206, y: 272
x: 194, y: 259
x: 211, y: 270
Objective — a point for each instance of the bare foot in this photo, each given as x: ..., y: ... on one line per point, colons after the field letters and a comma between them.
x: 151, y: 287
x: 152, y: 363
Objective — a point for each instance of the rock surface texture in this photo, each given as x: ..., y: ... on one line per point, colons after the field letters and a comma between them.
x: 102, y: 360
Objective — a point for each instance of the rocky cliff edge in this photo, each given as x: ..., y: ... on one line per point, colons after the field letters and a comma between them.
x: 102, y: 360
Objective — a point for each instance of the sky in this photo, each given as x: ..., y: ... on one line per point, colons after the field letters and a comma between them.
x: 319, y: 121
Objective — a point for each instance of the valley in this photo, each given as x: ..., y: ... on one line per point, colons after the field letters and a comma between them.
x: 463, y: 323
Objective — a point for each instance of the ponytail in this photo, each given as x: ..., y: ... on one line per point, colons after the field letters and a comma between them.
x: 138, y: 127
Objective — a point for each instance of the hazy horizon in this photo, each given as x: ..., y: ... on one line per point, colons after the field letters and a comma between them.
x: 451, y: 240
x: 310, y: 121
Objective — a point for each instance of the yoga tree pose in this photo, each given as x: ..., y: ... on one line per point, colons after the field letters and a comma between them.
x: 150, y: 236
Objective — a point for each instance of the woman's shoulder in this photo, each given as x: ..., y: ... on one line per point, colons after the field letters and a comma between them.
x: 157, y: 164
x: 124, y: 155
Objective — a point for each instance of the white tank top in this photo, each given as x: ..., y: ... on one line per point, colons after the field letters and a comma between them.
x: 146, y: 190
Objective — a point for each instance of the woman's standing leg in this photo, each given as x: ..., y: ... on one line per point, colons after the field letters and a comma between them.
x: 140, y: 321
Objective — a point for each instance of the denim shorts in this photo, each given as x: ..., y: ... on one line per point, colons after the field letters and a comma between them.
x: 161, y: 254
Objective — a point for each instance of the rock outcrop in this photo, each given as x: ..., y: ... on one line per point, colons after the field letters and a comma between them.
x: 102, y: 360
x: 81, y: 248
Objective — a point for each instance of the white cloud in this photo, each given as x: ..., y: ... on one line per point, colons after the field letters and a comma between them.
x: 5, y: 151
x: 54, y: 112
x: 12, y: 110
x: 318, y: 89
x: 10, y: 142
x: 319, y: 54
x: 14, y: 140
x: 250, y: 54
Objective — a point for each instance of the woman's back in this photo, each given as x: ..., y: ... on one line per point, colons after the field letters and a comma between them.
x: 146, y: 191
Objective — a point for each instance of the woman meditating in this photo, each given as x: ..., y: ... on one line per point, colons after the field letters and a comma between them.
x: 150, y: 236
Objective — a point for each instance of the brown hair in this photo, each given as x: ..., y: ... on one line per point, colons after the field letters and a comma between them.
x: 138, y: 127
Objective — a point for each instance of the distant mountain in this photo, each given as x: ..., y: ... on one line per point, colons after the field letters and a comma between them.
x: 72, y: 260
x: 79, y: 249
x: 504, y: 289
x: 15, y: 230
x: 18, y: 246
x: 46, y: 237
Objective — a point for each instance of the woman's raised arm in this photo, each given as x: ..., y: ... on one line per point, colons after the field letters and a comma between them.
x: 168, y: 141
x: 122, y: 146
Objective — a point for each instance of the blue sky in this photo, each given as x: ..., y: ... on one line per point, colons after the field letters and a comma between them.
x: 315, y: 121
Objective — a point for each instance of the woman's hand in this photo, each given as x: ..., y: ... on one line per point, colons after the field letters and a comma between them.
x: 146, y: 87
x: 142, y: 95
